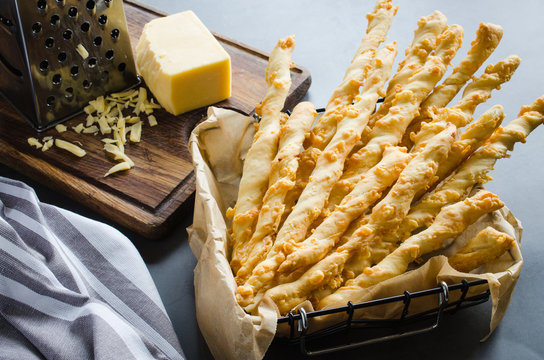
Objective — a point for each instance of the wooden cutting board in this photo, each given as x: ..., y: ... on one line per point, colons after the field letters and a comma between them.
x: 149, y: 198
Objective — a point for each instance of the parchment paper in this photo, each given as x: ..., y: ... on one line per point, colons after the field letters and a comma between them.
x: 218, y: 146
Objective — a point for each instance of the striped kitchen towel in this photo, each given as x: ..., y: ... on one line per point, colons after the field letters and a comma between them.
x: 74, y: 288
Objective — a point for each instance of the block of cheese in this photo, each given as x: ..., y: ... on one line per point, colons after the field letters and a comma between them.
x: 182, y: 63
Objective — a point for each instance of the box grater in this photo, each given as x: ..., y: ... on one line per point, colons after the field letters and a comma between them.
x: 56, y: 55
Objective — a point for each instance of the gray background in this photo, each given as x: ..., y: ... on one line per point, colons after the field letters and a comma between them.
x: 327, y: 34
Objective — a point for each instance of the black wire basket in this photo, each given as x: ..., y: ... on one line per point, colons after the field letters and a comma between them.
x: 354, y: 332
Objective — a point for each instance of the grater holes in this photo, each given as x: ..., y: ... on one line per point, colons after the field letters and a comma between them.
x: 109, y: 54
x: 74, y: 71
x: 90, y: 5
x: 103, y: 19
x: 50, y: 101
x: 121, y: 67
x: 36, y: 28
x: 56, y: 80
x: 85, y: 26
x: 115, y: 34
x: 72, y: 11
x: 44, y: 65
x: 49, y: 42
x: 92, y: 62
x: 61, y: 57
x: 69, y: 93
x: 97, y: 41
x: 55, y: 20
x: 61, y: 2
x: 108, y: 2
x: 104, y: 75
x: 67, y: 35
x: 41, y: 4
x: 87, y: 84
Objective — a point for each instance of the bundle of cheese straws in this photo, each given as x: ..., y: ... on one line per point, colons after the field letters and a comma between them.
x: 327, y: 208
x: 364, y: 201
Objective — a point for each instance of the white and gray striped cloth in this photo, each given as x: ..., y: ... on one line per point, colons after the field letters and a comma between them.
x: 74, y: 288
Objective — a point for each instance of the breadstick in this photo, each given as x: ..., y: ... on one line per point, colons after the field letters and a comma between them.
x: 282, y: 179
x: 389, y: 129
x: 477, y: 92
x: 493, y: 77
x: 425, y: 40
x: 474, y: 169
x: 488, y: 37
x: 256, y: 170
x: 385, y: 217
x: 364, y: 195
x: 327, y: 171
x: 474, y: 136
x: 450, y: 223
x: 379, y: 22
x: 307, y: 161
x: 486, y: 247
x: 471, y: 139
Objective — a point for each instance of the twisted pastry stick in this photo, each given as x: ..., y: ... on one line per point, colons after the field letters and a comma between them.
x: 486, y: 247
x: 256, y: 170
x: 487, y: 38
x: 389, y: 129
x: 364, y: 195
x: 474, y: 169
x: 327, y: 171
x: 450, y: 223
x: 477, y: 92
x: 470, y: 140
x: 379, y: 22
x: 385, y: 217
x: 282, y: 179
x: 425, y: 40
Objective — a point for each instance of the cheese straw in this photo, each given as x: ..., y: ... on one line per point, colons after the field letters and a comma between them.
x: 385, y: 216
x: 327, y: 171
x: 425, y: 41
x: 379, y: 22
x: 390, y: 128
x: 487, y: 246
x: 487, y: 38
x: 450, y: 223
x: 474, y: 170
x: 257, y: 164
x: 282, y: 179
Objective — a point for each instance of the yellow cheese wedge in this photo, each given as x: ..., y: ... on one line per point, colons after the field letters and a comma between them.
x: 182, y: 63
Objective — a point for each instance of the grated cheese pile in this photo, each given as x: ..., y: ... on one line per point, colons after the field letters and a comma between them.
x: 105, y: 116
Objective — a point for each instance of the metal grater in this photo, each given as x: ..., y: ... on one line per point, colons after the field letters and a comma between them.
x: 56, y: 55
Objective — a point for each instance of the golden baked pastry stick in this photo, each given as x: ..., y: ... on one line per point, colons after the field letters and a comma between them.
x: 486, y: 247
x: 367, y: 191
x: 390, y: 128
x: 425, y: 41
x: 327, y: 171
x: 477, y: 92
x: 306, y: 164
x: 256, y: 170
x: 487, y: 38
x: 385, y: 217
x: 449, y: 223
x: 474, y: 170
x: 379, y: 22
x: 282, y: 179
x: 474, y: 136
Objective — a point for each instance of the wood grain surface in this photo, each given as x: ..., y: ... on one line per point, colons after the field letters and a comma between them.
x: 152, y: 196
